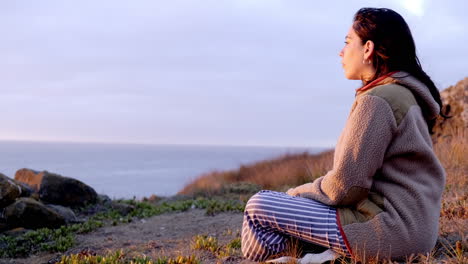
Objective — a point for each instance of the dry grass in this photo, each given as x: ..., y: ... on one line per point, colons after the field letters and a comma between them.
x: 453, y: 232
x: 452, y: 151
x: 277, y: 174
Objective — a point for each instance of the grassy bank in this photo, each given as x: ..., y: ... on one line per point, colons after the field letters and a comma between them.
x: 276, y: 174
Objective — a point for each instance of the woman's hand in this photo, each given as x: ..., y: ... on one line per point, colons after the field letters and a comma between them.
x: 292, y: 192
x: 300, y: 190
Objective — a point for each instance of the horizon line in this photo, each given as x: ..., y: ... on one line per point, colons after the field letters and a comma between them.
x: 160, y: 144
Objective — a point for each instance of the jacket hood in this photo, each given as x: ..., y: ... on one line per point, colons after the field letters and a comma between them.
x: 419, y: 90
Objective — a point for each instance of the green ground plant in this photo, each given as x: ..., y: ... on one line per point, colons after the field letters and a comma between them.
x: 211, y: 244
x: 44, y: 239
x: 119, y: 257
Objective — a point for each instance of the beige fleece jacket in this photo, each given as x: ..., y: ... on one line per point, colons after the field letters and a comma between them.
x: 386, y: 180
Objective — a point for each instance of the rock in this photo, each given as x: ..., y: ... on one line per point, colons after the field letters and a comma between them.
x: 455, y: 102
x: 56, y: 189
x: 122, y: 208
x: 29, y: 213
x: 29, y: 177
x: 9, y: 191
x: 3, y: 224
x: 104, y: 199
x: 16, y: 232
x: 103, y: 204
x: 26, y: 191
x: 3, y: 227
x: 65, y: 212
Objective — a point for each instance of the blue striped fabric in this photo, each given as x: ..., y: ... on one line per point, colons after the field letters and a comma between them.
x: 270, y: 218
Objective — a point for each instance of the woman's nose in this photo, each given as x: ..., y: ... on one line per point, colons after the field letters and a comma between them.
x: 341, y: 53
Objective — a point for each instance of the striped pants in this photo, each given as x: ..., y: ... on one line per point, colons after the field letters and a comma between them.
x: 271, y: 218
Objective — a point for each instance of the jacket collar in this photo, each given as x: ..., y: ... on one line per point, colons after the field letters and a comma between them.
x: 419, y: 89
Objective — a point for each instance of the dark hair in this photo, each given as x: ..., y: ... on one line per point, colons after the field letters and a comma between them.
x: 394, y: 48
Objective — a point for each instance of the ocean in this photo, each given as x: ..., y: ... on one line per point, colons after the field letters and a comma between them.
x: 131, y: 170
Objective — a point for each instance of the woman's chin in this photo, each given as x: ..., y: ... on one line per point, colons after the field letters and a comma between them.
x: 350, y: 76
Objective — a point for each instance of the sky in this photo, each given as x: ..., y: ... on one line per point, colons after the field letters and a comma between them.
x: 206, y: 72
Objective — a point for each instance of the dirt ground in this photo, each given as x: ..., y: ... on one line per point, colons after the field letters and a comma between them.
x: 167, y: 235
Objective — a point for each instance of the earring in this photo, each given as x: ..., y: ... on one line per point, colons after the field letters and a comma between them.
x: 366, y: 61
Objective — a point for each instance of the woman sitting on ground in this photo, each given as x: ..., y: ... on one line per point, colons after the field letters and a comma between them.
x: 382, y: 198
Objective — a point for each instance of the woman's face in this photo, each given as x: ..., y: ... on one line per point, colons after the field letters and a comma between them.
x: 353, y: 54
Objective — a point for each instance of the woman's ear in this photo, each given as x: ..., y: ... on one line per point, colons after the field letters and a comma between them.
x: 368, y: 49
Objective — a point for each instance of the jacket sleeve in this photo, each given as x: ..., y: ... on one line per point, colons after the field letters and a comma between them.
x: 359, y: 153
